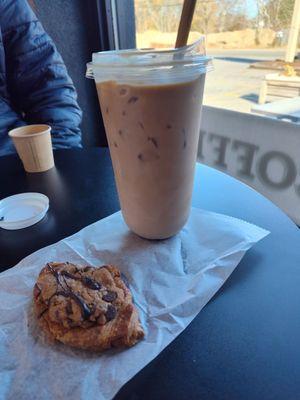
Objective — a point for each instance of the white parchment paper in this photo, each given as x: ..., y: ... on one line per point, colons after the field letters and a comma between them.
x: 171, y: 281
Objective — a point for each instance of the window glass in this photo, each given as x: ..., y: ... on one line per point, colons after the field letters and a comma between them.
x: 245, y: 37
x: 253, y: 44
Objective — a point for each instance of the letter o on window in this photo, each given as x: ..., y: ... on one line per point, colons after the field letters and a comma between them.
x: 288, y: 176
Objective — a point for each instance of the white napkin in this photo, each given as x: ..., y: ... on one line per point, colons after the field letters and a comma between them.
x: 171, y: 281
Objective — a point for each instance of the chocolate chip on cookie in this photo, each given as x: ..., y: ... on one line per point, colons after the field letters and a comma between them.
x: 111, y: 313
x: 90, y: 283
x: 110, y: 296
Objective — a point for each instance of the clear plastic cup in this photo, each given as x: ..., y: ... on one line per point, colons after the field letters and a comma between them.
x: 151, y: 105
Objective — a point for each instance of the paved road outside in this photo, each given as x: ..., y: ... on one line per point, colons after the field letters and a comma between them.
x: 232, y: 84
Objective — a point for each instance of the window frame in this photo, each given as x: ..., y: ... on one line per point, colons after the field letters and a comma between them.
x: 116, y: 24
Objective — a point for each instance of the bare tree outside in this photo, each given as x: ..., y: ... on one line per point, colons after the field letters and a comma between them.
x: 213, y: 16
x: 162, y: 15
x: 206, y: 16
x: 210, y: 15
x: 220, y: 16
x: 275, y: 14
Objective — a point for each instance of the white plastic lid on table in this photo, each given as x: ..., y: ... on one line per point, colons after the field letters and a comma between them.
x: 22, y: 210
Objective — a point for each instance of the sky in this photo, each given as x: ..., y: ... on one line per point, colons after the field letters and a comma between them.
x: 251, y: 8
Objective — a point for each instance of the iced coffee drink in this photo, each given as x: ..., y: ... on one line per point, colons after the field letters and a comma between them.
x: 152, y: 127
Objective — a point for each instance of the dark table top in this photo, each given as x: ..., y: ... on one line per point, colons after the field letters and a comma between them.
x: 245, y: 344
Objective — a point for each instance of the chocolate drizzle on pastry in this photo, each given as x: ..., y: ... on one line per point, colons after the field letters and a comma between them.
x: 86, y: 312
x: 65, y: 290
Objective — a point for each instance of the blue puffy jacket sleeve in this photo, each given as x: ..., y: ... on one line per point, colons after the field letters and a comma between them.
x: 37, y: 78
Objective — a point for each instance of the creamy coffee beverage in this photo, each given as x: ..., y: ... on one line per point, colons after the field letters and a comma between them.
x: 151, y: 105
x: 153, y: 136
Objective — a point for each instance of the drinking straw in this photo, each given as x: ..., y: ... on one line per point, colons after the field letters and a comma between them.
x: 185, y: 22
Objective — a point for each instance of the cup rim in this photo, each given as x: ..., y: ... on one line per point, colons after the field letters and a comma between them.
x: 20, y: 132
